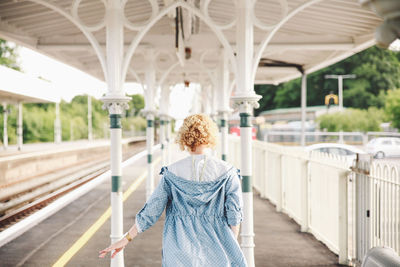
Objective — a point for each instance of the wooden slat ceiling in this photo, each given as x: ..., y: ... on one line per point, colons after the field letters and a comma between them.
x: 317, y: 36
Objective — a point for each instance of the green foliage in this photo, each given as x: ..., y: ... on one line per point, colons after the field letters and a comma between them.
x: 38, y: 121
x: 377, y: 71
x: 352, y: 120
x: 137, y: 124
x: 135, y: 105
x: 8, y: 55
x: 392, y: 107
x: 75, y: 115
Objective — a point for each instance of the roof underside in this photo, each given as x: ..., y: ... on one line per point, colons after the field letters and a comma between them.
x: 18, y: 87
x: 315, y: 37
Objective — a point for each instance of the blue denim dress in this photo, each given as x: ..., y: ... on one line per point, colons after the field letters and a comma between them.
x: 198, y: 215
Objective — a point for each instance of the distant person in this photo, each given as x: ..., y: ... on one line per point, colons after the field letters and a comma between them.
x: 203, y: 201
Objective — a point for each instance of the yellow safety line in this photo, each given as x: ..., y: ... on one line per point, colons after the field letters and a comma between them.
x: 66, y: 257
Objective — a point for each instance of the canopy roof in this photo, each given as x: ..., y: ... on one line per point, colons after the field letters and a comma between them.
x: 17, y: 87
x: 309, y: 35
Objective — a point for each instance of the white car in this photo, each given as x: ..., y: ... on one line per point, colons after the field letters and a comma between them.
x: 382, y: 147
x: 349, y: 152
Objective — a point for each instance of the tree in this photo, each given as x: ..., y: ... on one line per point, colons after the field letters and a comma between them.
x: 392, y: 107
x: 352, y: 120
x: 9, y: 55
x: 377, y: 71
x: 135, y: 105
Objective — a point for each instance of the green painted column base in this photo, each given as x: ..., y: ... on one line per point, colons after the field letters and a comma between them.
x: 246, y: 183
x: 223, y: 123
x: 116, y: 183
x: 115, y: 121
x: 245, y: 120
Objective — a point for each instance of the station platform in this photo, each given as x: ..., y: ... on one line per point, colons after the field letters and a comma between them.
x: 75, y: 234
x: 51, y: 146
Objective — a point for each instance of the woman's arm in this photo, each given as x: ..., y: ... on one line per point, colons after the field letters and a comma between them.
x: 121, y: 244
x: 235, y: 230
x: 145, y: 218
x: 234, y: 204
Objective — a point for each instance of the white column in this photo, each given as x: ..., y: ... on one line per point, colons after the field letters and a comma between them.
x: 343, y: 219
x: 303, y: 108
x: 304, y: 196
x: 116, y: 103
x: 149, y: 146
x: 223, y: 102
x: 206, y: 100
x: 164, y: 114
x: 5, y: 134
x: 196, y: 103
x: 90, y: 130
x: 340, y: 87
x: 19, y: 127
x: 57, y: 125
x: 224, y: 135
x: 168, y: 141
x: 163, y: 122
x: 149, y: 111
x: 245, y: 99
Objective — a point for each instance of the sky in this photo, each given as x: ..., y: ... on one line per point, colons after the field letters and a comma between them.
x: 70, y: 81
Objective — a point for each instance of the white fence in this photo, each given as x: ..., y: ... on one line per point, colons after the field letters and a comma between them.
x: 377, y: 206
x: 318, y: 191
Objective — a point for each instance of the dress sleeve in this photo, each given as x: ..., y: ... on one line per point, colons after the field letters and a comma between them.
x: 233, y: 200
x: 154, y: 207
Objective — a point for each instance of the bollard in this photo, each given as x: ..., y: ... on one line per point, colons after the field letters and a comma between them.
x: 381, y: 256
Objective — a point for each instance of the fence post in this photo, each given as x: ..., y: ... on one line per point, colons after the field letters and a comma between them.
x: 343, y: 220
x: 264, y: 174
x: 279, y: 200
x: 304, y: 195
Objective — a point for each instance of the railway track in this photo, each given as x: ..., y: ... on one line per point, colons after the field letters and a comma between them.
x: 26, y: 205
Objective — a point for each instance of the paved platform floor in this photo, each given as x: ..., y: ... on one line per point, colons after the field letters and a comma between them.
x: 278, y: 239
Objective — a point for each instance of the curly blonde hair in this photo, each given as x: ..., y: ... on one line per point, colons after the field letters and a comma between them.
x: 197, y: 129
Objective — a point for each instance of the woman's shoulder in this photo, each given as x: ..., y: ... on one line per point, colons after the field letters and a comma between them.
x: 214, y: 168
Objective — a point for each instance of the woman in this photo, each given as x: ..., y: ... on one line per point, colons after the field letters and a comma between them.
x: 203, y: 202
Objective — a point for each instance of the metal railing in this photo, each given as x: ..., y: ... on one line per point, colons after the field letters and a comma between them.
x: 377, y: 206
x: 327, y: 198
x: 293, y: 137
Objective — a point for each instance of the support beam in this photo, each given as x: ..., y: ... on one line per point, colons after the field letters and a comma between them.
x: 223, y: 102
x: 150, y: 112
x: 90, y: 130
x: 303, y: 108
x: 168, y: 140
x: 164, y: 115
x: 149, y: 145
x: 245, y: 99
x: 162, y: 140
x: 224, y: 135
x: 57, y: 125
x: 19, y: 127
x: 116, y: 102
x: 5, y: 134
x: 292, y: 46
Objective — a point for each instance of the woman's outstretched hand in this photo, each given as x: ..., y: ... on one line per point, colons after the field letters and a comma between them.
x: 117, y: 247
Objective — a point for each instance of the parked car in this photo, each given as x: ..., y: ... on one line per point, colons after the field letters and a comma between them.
x: 382, y: 147
x: 349, y: 152
x: 235, y: 130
